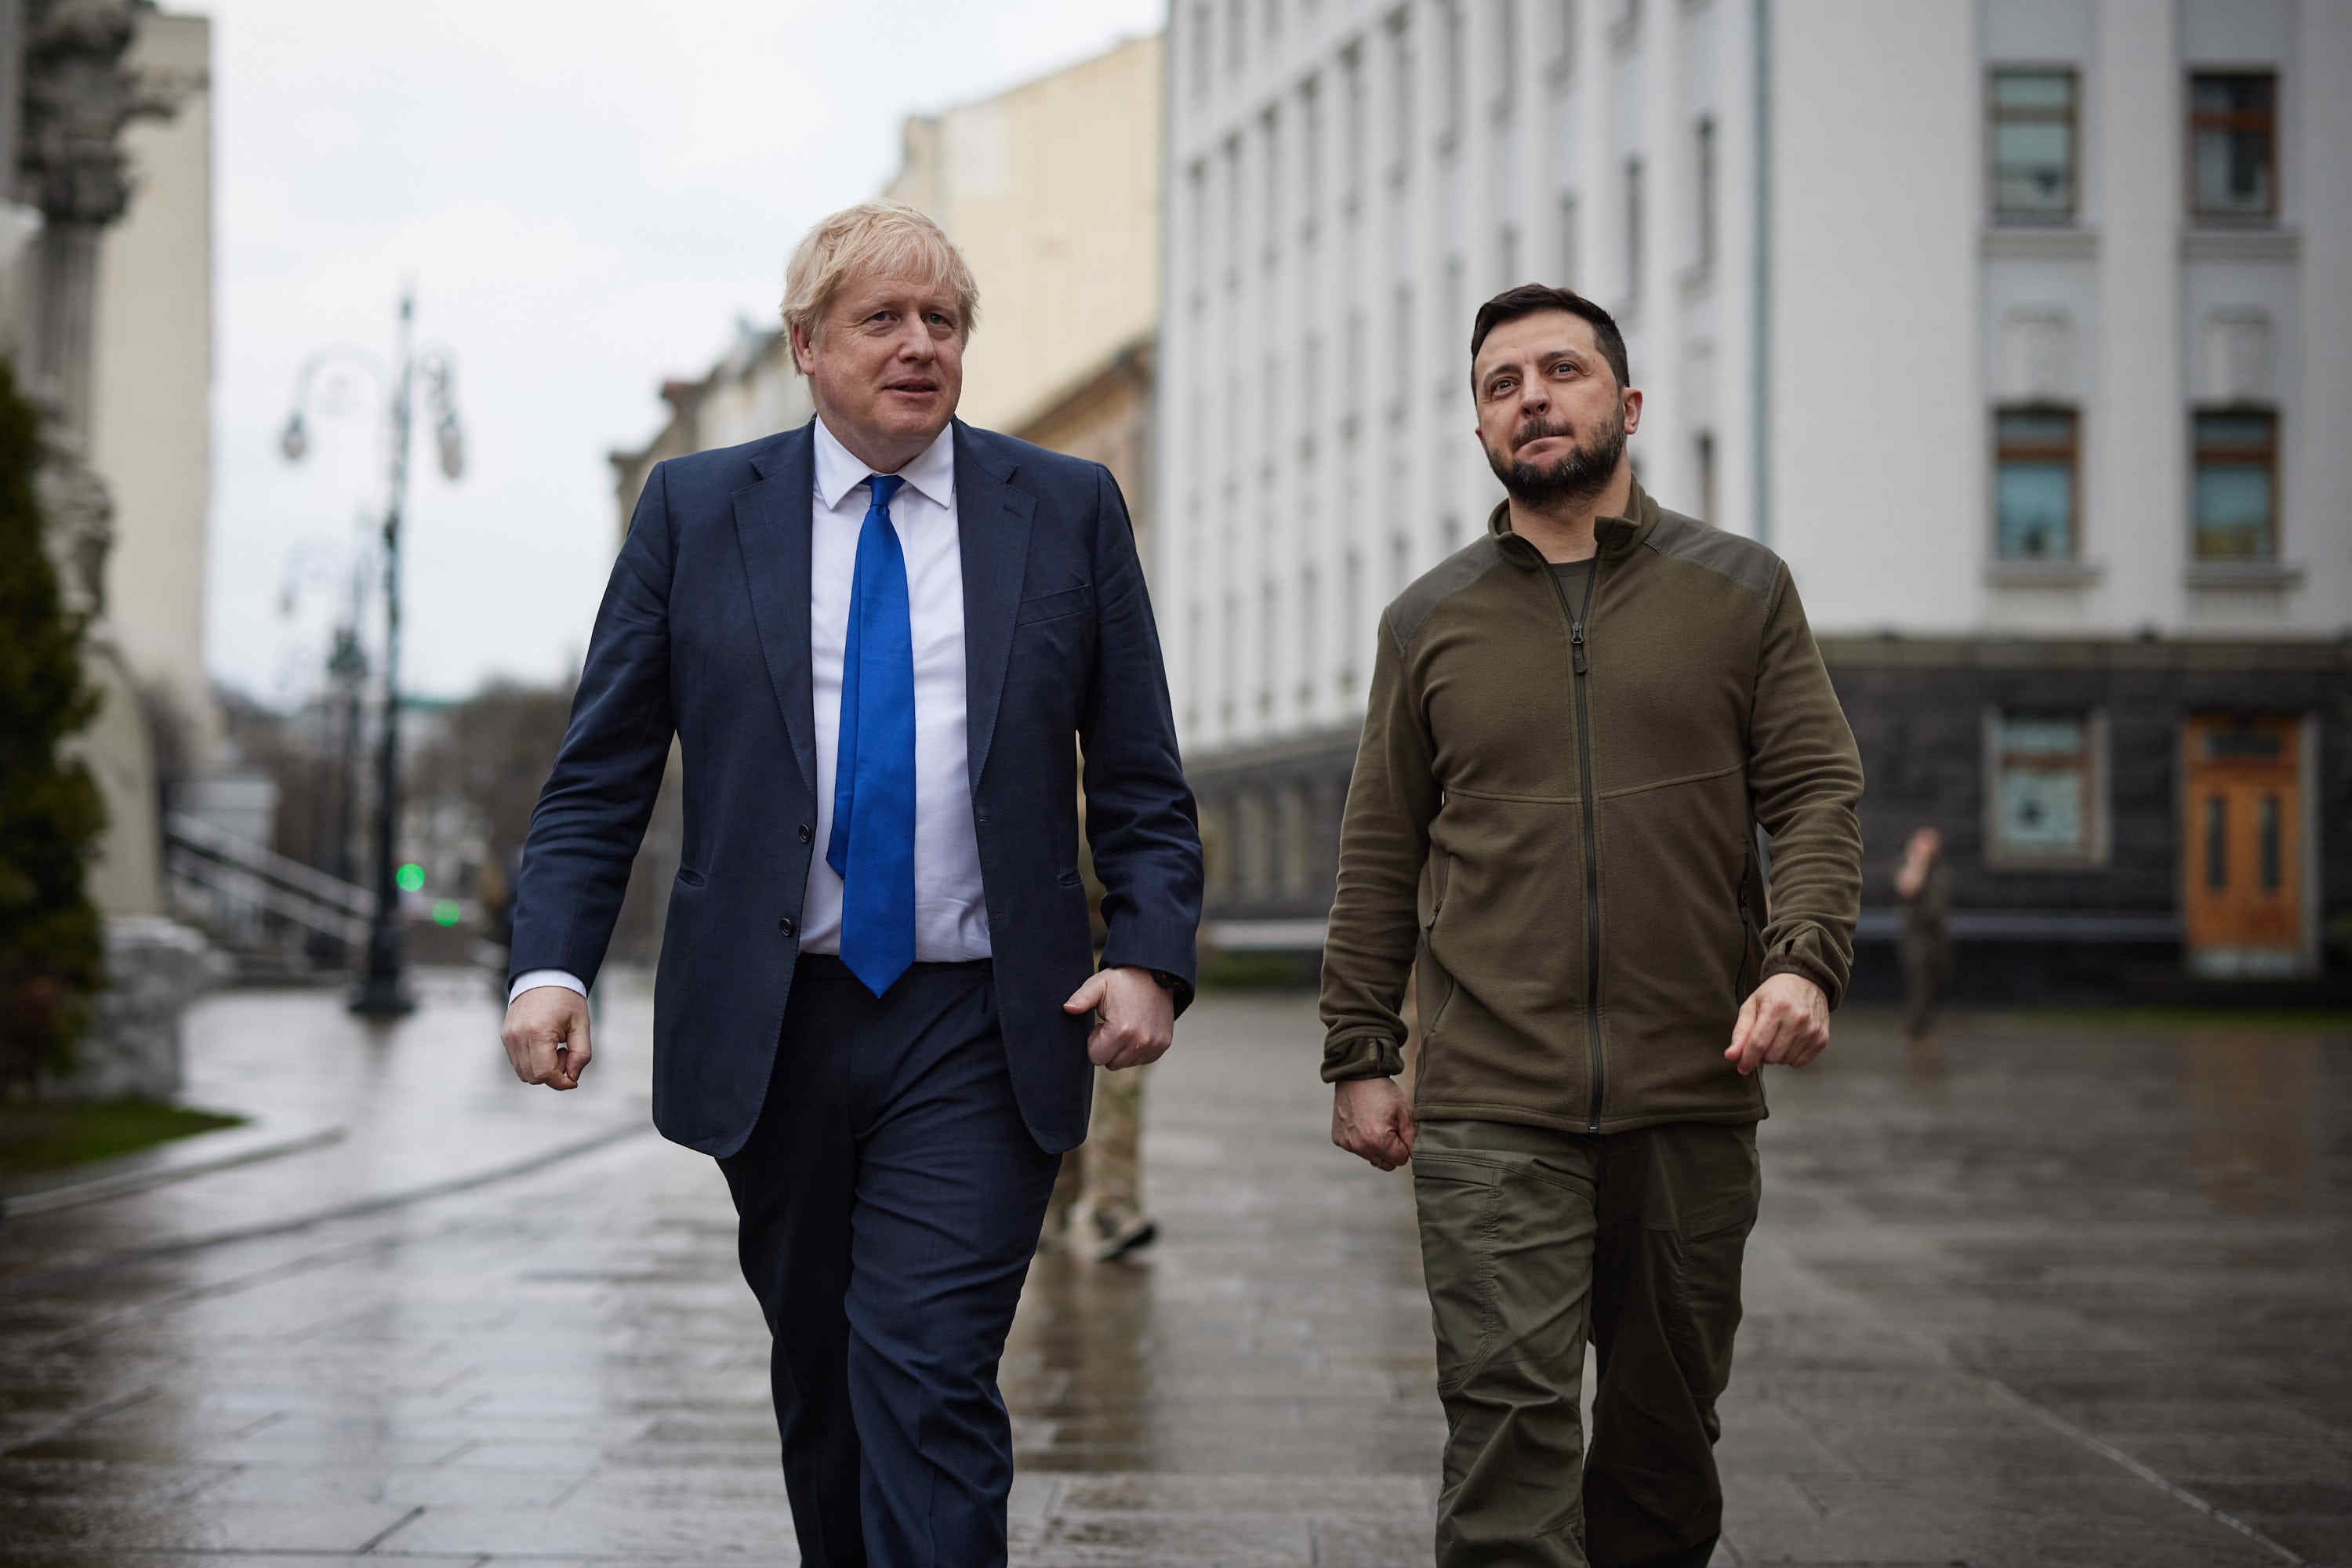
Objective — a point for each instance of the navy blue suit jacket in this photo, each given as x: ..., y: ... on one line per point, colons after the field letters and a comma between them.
x: 704, y: 634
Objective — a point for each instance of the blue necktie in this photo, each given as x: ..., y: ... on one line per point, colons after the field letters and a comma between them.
x: 872, y: 842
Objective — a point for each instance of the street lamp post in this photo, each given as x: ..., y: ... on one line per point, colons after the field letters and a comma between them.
x: 380, y: 992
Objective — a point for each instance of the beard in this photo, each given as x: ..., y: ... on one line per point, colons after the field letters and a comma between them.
x: 1578, y: 475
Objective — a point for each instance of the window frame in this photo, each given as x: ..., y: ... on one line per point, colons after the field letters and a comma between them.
x: 1996, y: 116
x: 1705, y: 176
x: 2094, y: 848
x: 2201, y: 120
x: 2004, y: 452
x: 2266, y: 459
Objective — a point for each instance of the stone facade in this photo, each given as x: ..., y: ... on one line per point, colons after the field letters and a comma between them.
x: 1831, y: 363
x: 75, y: 76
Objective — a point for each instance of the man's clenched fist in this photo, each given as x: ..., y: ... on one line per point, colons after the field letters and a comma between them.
x: 546, y: 1036
x: 1371, y: 1120
x: 1786, y: 1021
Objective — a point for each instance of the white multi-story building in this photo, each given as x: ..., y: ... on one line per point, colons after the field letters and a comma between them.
x: 2018, y: 327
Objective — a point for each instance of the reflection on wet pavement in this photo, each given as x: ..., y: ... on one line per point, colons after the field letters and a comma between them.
x: 2062, y: 1290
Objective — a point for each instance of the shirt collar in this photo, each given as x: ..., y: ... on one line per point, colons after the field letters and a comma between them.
x: 931, y: 473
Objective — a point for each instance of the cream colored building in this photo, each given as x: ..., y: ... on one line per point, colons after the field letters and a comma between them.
x: 1052, y: 192
x: 150, y: 406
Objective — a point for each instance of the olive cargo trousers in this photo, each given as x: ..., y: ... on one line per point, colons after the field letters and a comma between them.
x: 1530, y: 1240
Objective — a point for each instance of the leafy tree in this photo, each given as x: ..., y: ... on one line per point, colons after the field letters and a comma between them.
x: 52, y: 946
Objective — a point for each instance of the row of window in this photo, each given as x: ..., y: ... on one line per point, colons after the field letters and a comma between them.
x: 1555, y: 19
x: 2036, y: 116
x: 2045, y: 778
x: 2038, y: 486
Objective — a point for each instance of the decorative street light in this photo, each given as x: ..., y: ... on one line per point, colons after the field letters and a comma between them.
x: 381, y: 994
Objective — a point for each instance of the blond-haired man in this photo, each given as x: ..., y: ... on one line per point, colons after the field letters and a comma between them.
x: 874, y: 638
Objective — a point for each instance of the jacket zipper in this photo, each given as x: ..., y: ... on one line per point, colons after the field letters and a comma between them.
x: 1583, y: 703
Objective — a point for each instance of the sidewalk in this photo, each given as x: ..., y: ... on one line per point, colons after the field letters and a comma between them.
x: 364, y: 1113
x: 2059, y: 1295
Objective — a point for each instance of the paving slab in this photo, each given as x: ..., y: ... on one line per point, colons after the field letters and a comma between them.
x: 2057, y: 1294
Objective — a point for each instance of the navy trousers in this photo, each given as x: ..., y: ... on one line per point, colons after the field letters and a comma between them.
x: 891, y: 1198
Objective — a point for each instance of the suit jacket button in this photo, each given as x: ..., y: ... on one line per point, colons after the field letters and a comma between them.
x: 785, y: 925
x: 807, y: 833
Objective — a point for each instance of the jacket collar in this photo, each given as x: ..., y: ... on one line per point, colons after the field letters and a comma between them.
x: 1617, y: 537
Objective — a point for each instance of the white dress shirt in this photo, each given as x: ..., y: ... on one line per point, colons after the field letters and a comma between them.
x: 951, y: 907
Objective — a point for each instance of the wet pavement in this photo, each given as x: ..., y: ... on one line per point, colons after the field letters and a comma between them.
x: 2064, y: 1290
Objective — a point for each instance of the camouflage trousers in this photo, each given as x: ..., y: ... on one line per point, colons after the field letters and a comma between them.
x: 1106, y: 1170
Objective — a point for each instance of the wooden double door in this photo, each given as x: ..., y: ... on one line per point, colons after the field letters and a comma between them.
x: 2242, y: 843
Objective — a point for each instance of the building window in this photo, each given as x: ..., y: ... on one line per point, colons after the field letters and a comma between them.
x: 1351, y: 617
x: 1632, y: 230
x: 1200, y: 50
x: 1703, y: 452
x: 1703, y: 191
x: 1254, y: 848
x: 1310, y: 631
x: 1269, y: 636
x: 1449, y: 125
x: 1402, y: 351
x: 1507, y: 55
x: 1274, y: 194
x: 2034, y: 154
x: 2045, y: 788
x: 2037, y: 457
x: 1236, y: 34
x: 1352, y: 77
x: 2233, y: 146
x: 1311, y: 172
x: 2235, y: 505
x: 1570, y: 260
x: 1400, y: 97
x: 1291, y: 842
x: 1216, y: 849
x: 1506, y: 248
x: 1563, y: 38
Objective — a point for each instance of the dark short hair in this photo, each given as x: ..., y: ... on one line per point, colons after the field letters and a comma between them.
x: 1534, y: 299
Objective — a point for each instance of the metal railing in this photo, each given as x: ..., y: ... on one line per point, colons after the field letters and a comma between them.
x: 235, y: 883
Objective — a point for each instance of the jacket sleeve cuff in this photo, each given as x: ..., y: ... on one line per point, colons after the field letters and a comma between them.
x: 1362, y: 1056
x: 1797, y: 963
x: 1166, y: 949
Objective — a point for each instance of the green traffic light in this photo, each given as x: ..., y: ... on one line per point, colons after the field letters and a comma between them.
x: 445, y: 912
x: 410, y: 879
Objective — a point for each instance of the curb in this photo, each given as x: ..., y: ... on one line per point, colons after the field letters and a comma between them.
x: 97, y: 1189
x: 357, y: 1208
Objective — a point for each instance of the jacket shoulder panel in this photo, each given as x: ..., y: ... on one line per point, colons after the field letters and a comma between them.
x: 1742, y: 560
x: 721, y: 471
x: 1440, y: 582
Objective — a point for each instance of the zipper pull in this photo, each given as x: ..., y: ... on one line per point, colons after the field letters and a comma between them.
x: 1576, y: 644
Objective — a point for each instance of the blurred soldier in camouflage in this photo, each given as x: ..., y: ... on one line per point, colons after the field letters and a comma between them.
x: 1097, y: 1209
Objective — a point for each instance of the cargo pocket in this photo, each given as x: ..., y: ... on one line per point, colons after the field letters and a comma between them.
x: 1710, y: 1245
x: 1458, y: 1202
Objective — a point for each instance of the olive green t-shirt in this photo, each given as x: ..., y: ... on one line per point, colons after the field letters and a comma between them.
x: 1574, y: 577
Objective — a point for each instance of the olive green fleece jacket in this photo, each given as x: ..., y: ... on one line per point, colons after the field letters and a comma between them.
x: 1553, y: 811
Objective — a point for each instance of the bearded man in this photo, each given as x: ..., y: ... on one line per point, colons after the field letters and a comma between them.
x: 1577, y: 725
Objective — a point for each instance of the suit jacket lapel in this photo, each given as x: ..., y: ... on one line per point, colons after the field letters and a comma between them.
x: 773, y: 524
x: 992, y: 536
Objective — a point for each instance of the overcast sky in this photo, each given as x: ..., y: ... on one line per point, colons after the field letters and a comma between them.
x: 588, y: 194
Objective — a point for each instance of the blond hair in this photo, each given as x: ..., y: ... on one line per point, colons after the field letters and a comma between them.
x: 876, y: 237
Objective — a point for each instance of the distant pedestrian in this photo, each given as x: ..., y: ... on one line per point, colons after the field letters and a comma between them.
x: 880, y: 640
x: 1098, y: 1207
x: 1924, y: 884
x: 1576, y: 725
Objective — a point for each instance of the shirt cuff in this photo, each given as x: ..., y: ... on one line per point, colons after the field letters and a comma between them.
x: 533, y: 979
